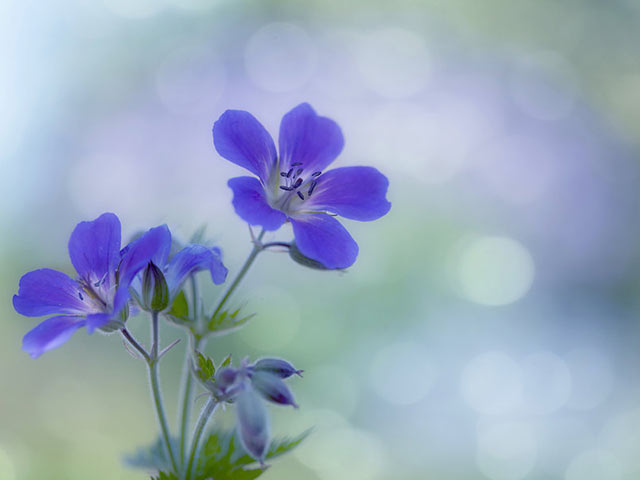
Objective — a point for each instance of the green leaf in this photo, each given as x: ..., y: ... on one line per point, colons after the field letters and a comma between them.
x: 205, y: 369
x: 179, y: 312
x: 226, y: 362
x: 222, y: 456
x: 152, y: 457
x: 165, y: 476
x: 227, y: 321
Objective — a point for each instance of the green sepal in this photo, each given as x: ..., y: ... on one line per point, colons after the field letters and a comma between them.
x: 298, y: 257
x: 227, y: 321
x: 155, y: 292
x: 226, y: 362
x: 204, y: 368
x: 179, y: 311
x: 116, y: 323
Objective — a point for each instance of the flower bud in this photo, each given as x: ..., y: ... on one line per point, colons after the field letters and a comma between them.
x: 155, y: 293
x: 253, y: 424
x: 272, y: 388
x: 276, y: 366
x: 298, y: 257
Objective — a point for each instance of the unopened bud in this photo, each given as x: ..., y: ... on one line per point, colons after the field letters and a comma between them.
x: 155, y: 293
x: 272, y: 388
x: 253, y: 424
x: 276, y: 366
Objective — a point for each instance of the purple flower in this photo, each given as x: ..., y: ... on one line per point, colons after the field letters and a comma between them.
x: 98, y: 296
x: 293, y: 187
x: 191, y: 259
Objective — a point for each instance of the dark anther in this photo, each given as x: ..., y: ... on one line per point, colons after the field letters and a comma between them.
x: 288, y: 189
x: 315, y: 174
x: 313, y: 185
x: 298, y: 172
x: 289, y: 172
x: 283, y: 174
x: 298, y: 183
x: 295, y: 164
x: 80, y: 295
x: 300, y: 195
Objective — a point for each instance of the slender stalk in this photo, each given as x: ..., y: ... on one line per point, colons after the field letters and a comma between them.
x: 151, y: 359
x: 155, y: 390
x: 187, y: 393
x: 206, y: 413
x: 257, y: 248
x: 132, y: 341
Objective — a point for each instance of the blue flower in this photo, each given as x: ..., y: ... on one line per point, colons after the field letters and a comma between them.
x: 247, y: 387
x: 98, y: 296
x: 191, y: 259
x: 292, y: 187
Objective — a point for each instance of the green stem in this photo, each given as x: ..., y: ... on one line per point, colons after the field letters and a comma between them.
x: 187, y: 393
x: 206, y: 413
x: 257, y: 248
x: 155, y: 391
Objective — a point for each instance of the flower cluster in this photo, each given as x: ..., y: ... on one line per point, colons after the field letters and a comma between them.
x: 246, y: 387
x: 115, y: 282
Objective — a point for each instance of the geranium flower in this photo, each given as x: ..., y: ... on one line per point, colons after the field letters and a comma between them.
x: 292, y: 187
x: 99, y: 294
x: 175, y: 271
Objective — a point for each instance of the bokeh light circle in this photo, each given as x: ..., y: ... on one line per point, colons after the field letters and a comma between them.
x: 594, y: 464
x: 592, y: 378
x: 506, y: 451
x: 7, y: 468
x: 280, y: 57
x: 394, y: 62
x: 547, y: 383
x: 402, y: 373
x: 495, y: 270
x: 491, y: 383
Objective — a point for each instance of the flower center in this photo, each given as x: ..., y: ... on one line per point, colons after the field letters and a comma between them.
x: 95, y: 293
x: 295, y: 183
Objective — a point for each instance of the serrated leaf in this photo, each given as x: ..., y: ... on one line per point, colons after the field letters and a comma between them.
x: 224, y: 458
x: 205, y: 369
x: 152, y: 458
x: 226, y: 362
x: 179, y: 312
x: 165, y: 476
x: 226, y: 321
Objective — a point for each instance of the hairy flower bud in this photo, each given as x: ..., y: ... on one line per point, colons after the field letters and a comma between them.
x: 155, y: 292
x: 253, y: 423
x: 272, y: 388
x: 298, y: 257
x: 276, y: 366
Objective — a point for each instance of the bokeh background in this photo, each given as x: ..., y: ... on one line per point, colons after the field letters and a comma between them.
x: 489, y: 328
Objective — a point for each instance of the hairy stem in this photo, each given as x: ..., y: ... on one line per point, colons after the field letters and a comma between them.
x: 187, y: 393
x: 257, y: 248
x: 206, y: 413
x: 155, y: 390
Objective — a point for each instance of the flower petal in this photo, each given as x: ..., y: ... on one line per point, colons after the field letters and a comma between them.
x: 321, y: 237
x: 253, y: 424
x: 240, y: 138
x: 94, y: 248
x: 50, y: 334
x: 191, y: 259
x: 97, y: 320
x: 251, y: 204
x: 309, y: 139
x: 352, y: 192
x: 47, y: 291
x: 152, y: 245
